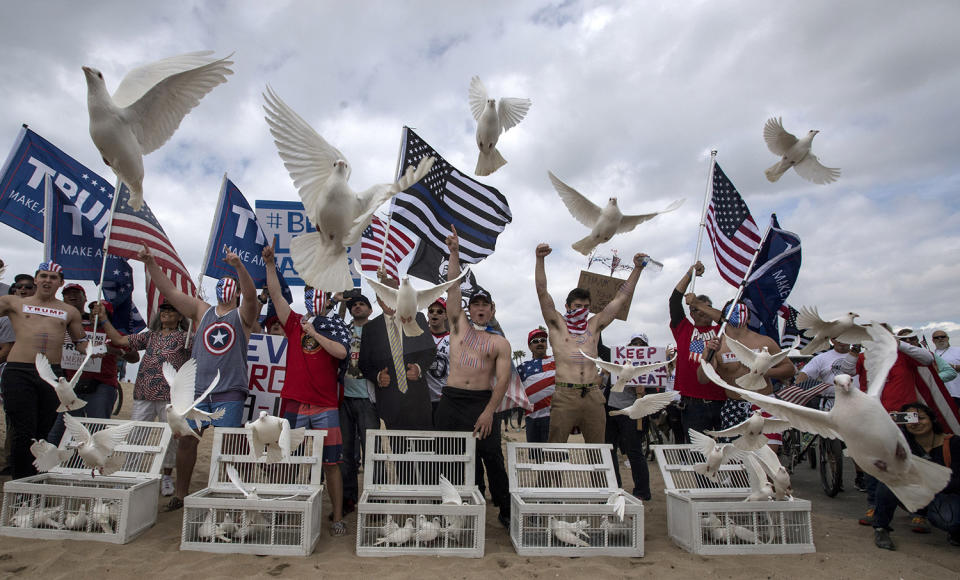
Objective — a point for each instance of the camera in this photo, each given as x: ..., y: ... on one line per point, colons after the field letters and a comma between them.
x: 904, y: 418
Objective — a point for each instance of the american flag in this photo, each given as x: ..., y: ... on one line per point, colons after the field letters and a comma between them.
x: 733, y: 233
x: 577, y: 320
x: 372, y: 248
x: 539, y: 378
x: 793, y: 337
x: 801, y: 393
x: 131, y: 230
x: 444, y: 197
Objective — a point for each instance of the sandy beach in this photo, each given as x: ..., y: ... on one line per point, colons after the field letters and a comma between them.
x: 844, y: 549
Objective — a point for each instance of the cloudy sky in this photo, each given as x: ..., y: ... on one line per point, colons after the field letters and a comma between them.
x: 628, y: 100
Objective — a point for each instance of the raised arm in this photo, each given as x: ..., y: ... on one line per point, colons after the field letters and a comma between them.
x: 454, y: 308
x: 548, y: 309
x: 622, y: 298
x: 714, y: 314
x: 249, y: 305
x: 273, y: 284
x: 677, y: 313
x: 923, y: 356
x: 194, y: 307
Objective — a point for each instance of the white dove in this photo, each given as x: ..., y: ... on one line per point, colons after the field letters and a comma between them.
x: 234, y: 477
x: 250, y: 522
x: 427, y: 530
x: 97, y: 450
x: 873, y: 440
x: 843, y: 329
x: 103, y: 514
x: 604, y: 222
x: 449, y: 493
x: 615, y: 528
x: 146, y: 110
x: 626, y: 373
x: 407, y: 300
x: 182, y: 405
x: 320, y: 173
x: 274, y: 434
x: 760, y: 487
x: 647, y: 405
x: 23, y: 517
x: 570, y: 532
x: 389, y: 526
x: 69, y: 401
x: 228, y: 526
x: 48, y: 455
x: 778, y: 474
x: 47, y: 517
x: 715, y: 454
x: 209, y: 529
x: 795, y: 153
x: 758, y: 361
x: 619, y: 503
x: 77, y: 521
x: 752, y: 432
x: 492, y: 120
x: 399, y: 536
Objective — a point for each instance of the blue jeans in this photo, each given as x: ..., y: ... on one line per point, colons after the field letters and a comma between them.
x: 538, y: 430
x: 99, y: 405
x: 623, y: 434
x: 943, y: 511
x: 356, y: 416
x: 699, y: 415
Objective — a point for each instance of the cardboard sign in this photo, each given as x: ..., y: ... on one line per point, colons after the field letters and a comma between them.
x: 642, y: 355
x: 603, y: 289
x: 72, y: 358
x: 266, y: 371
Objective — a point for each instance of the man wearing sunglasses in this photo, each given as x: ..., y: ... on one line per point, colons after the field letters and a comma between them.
x: 538, y: 376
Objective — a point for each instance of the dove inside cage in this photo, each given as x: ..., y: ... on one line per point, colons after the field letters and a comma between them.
x: 244, y: 526
x: 575, y: 525
x: 725, y: 528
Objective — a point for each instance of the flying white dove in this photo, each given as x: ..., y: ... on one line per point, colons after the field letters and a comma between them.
x: 48, y: 455
x: 619, y: 503
x: 274, y: 434
x: 570, y: 532
x: 647, y: 405
x: 182, y: 405
x: 104, y: 513
x: 209, y: 529
x: 96, y: 450
x: 752, y: 432
x: 146, y: 110
x: 873, y: 440
x: 407, y: 300
x: 626, y: 373
x: 234, y: 477
x: 795, y: 153
x: 603, y: 222
x: 778, y: 474
x: 69, y: 401
x: 843, y: 329
x: 399, y: 536
x: 492, y: 120
x: 427, y: 530
x: 715, y: 454
x: 77, y: 521
x: 760, y: 487
x: 758, y: 361
x: 320, y: 173
x: 449, y: 493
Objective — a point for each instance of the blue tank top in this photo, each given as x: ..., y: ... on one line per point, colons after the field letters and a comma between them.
x: 221, y: 344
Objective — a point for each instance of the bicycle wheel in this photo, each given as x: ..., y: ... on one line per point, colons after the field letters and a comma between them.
x: 812, y: 456
x: 831, y: 466
x: 790, y: 449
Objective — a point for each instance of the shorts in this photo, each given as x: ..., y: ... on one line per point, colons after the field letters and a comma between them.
x: 232, y: 416
x: 317, y: 417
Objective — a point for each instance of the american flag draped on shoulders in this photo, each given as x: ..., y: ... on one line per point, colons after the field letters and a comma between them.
x: 334, y: 328
x: 372, y: 247
x: 734, y: 235
x: 131, y: 230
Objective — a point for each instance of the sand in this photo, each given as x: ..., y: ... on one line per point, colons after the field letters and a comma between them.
x: 844, y: 549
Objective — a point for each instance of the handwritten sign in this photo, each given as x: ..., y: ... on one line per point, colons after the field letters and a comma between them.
x: 642, y: 355
x: 602, y: 290
x: 266, y: 372
x: 73, y: 358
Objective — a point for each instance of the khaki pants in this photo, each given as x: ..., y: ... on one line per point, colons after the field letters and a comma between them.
x: 569, y: 409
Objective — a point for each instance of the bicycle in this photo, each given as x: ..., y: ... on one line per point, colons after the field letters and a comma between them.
x: 827, y: 454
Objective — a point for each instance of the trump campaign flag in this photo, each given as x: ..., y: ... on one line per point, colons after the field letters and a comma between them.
x: 773, y: 276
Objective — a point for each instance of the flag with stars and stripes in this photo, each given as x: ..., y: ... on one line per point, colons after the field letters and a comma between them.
x: 372, y: 248
x: 446, y: 197
x: 732, y: 231
x: 793, y: 337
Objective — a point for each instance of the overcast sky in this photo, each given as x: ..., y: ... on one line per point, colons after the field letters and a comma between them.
x: 628, y: 100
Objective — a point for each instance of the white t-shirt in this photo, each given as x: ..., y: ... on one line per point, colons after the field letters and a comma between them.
x: 952, y: 356
x: 829, y: 364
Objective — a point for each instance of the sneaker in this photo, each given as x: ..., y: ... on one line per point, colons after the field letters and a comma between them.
x: 858, y: 483
x: 626, y: 463
x: 868, y: 518
x: 166, y: 486
x: 881, y: 538
x: 338, y: 528
x: 919, y: 525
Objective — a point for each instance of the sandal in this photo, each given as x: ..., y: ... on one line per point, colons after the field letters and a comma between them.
x: 174, y: 504
x: 338, y: 528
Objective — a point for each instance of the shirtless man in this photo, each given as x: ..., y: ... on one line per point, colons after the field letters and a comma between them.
x: 40, y: 323
x: 578, y: 399
x: 735, y: 410
x: 479, y: 374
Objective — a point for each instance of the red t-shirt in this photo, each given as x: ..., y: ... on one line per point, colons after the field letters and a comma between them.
x: 108, y: 365
x: 901, y: 386
x: 311, y: 375
x: 688, y: 359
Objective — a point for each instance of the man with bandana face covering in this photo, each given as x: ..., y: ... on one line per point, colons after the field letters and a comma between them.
x: 220, y: 346
x: 578, y: 399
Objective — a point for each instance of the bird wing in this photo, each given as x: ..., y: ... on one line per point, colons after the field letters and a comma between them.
x: 856, y: 334
x: 182, y: 384
x: 448, y: 492
x: 478, y: 97
x: 653, y: 402
x: 779, y: 141
x: 155, y: 116
x: 75, y: 428
x: 803, y: 418
x: 141, y: 79
x: 385, y: 293
x: 428, y: 296
x: 368, y: 202
x: 879, y: 357
x: 811, y: 169
x: 110, y: 437
x: 307, y: 156
x: 581, y: 208
x: 746, y: 355
x: 755, y: 473
x: 609, y: 367
x: 703, y: 443
x: 76, y: 376
x: 234, y: 477
x: 808, y: 318
x: 628, y: 222
x: 206, y: 393
x: 46, y: 371
x: 512, y: 110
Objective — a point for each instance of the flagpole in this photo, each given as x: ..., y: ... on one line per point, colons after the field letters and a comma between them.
x: 386, y: 225
x: 106, y: 247
x: 213, y: 229
x: 47, y: 224
x: 703, y: 216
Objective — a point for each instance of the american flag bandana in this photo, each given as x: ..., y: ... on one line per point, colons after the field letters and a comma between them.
x: 226, y: 290
x: 50, y: 266
x: 736, y: 314
x: 576, y: 320
x: 315, y: 301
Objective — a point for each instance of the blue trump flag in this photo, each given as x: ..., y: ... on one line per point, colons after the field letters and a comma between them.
x: 773, y: 276
x: 71, y: 242
x: 21, y: 186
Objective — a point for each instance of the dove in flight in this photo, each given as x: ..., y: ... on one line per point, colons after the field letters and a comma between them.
x: 407, y: 300
x: 752, y: 432
x: 320, y: 173
x: 715, y: 454
x: 646, y: 405
x: 274, y: 434
x: 843, y: 329
x: 47, y: 455
x: 182, y: 405
x: 795, y: 153
x: 760, y: 487
x: 626, y: 373
x: 146, y: 109
x: 448, y: 492
x: 69, y: 401
x: 604, y: 222
x: 778, y: 474
x: 493, y: 119
x: 570, y: 532
x: 873, y: 440
x: 97, y: 450
x: 619, y: 503
x: 758, y: 361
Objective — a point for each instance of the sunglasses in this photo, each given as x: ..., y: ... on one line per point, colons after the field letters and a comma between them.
x: 436, y: 311
x: 538, y: 340
x: 939, y: 338
x: 23, y: 286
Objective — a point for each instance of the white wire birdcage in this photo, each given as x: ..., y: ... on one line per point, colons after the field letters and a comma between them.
x: 561, y: 502
x: 401, y: 510
x: 69, y: 502
x: 276, y: 510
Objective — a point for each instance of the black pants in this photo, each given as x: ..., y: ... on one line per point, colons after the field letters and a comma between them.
x: 31, y: 407
x: 623, y: 434
x: 699, y: 415
x: 459, y: 410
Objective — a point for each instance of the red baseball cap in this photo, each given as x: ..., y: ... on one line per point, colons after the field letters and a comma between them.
x: 439, y: 301
x: 74, y: 286
x: 535, y: 332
